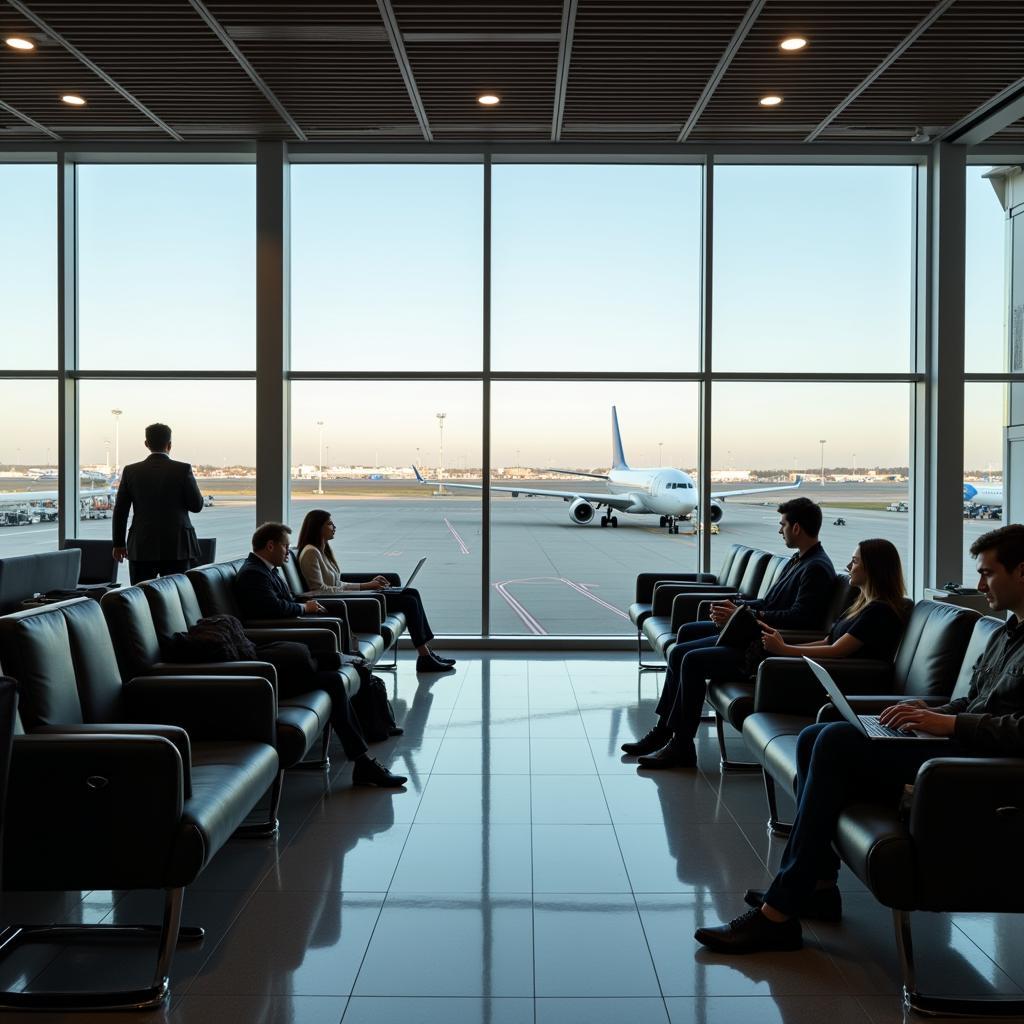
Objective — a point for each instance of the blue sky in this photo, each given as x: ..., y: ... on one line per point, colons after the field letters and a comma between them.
x: 594, y: 268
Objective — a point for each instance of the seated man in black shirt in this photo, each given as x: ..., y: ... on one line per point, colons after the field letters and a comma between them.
x: 796, y: 600
x: 262, y: 593
x: 838, y: 764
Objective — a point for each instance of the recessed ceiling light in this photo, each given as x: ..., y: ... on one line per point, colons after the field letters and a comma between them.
x: 793, y: 43
x: 72, y: 100
x: 19, y: 43
x: 770, y: 101
x: 488, y: 99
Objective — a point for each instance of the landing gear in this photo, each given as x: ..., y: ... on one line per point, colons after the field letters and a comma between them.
x: 670, y: 522
x: 604, y: 520
x: 663, y: 521
x: 612, y: 521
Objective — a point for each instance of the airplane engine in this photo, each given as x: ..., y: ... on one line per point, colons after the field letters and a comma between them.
x: 581, y: 511
x: 717, y: 511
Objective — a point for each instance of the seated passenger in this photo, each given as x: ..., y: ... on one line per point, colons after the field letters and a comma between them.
x: 838, y: 764
x: 262, y: 593
x: 320, y: 570
x: 873, y: 625
x: 795, y: 601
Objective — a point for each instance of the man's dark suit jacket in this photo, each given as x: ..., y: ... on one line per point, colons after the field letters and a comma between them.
x: 263, y: 594
x: 800, y: 598
x: 162, y: 493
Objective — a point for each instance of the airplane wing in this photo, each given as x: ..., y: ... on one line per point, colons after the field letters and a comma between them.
x: 723, y: 495
x: 619, y: 502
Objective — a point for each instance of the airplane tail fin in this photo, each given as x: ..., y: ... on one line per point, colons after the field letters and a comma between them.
x: 419, y: 479
x: 618, y: 456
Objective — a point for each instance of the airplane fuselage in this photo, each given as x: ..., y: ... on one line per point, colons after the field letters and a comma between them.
x: 664, y: 492
x: 984, y: 494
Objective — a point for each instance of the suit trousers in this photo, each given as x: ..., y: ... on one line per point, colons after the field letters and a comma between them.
x: 410, y: 604
x: 692, y: 664
x: 837, y: 763
x: 343, y: 719
x: 139, y: 571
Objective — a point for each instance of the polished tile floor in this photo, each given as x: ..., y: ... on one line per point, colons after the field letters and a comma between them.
x: 527, y: 873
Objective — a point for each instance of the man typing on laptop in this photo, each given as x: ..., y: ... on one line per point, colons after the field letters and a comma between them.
x: 838, y: 761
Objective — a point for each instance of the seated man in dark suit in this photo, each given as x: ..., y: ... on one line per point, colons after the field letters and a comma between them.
x: 262, y: 593
x: 161, y: 492
x: 795, y: 601
x: 837, y: 764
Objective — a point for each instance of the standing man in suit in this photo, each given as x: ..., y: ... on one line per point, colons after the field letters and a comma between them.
x: 162, y: 492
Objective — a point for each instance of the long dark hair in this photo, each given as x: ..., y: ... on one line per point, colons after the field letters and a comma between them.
x: 881, y: 563
x: 312, y: 531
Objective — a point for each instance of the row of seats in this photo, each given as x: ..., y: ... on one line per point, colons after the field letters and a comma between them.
x: 145, y: 767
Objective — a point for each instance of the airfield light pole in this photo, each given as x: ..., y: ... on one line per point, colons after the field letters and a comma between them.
x: 106, y: 454
x: 116, y: 413
x: 660, y: 443
x: 822, y: 443
x: 440, y: 453
x: 320, y: 483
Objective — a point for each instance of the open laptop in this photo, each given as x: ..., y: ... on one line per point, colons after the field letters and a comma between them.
x: 868, y: 724
x: 405, y: 586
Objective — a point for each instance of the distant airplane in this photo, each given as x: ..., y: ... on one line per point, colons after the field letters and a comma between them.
x: 668, y: 493
x: 8, y: 498
x: 984, y: 494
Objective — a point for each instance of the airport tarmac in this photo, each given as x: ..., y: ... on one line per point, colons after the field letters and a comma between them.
x: 549, y: 576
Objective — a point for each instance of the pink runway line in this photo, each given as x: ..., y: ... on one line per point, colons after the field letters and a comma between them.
x: 458, y: 540
x: 528, y: 620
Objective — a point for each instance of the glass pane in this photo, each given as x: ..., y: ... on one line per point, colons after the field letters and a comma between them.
x: 214, y: 429
x: 813, y: 268
x: 985, y: 277
x: 985, y: 406
x: 386, y: 267
x: 28, y: 267
x: 595, y: 267
x: 851, y: 444
x: 28, y: 466
x: 167, y: 267
x: 554, y: 570
x: 353, y: 449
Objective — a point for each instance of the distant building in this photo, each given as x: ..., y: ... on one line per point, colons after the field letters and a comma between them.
x: 725, y: 476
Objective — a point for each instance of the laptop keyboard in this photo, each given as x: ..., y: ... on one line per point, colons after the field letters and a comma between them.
x: 875, y: 728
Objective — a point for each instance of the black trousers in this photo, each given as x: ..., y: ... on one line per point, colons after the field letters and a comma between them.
x: 410, y: 604
x: 139, y: 571
x: 343, y: 720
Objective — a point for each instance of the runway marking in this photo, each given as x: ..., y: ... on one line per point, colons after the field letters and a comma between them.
x: 458, y: 540
x: 530, y: 622
x: 581, y: 588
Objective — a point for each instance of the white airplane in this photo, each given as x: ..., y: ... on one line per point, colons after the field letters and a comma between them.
x: 665, y: 492
x: 984, y: 494
x: 8, y: 498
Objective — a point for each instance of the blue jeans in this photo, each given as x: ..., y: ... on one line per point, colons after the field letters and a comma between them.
x: 692, y: 664
x: 836, y: 763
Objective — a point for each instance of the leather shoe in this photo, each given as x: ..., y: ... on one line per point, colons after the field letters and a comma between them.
x: 677, y: 753
x: 368, y: 771
x: 654, y: 740
x: 428, y: 663
x: 396, y: 730
x: 441, y: 658
x: 820, y: 905
x: 752, y: 932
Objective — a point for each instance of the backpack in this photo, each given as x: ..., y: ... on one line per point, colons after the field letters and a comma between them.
x: 214, y: 638
x: 373, y: 709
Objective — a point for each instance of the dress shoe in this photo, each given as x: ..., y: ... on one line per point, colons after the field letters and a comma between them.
x: 428, y: 663
x: 677, y: 753
x: 752, y: 932
x: 441, y: 658
x: 654, y: 740
x: 396, y: 730
x: 368, y: 771
x: 820, y: 905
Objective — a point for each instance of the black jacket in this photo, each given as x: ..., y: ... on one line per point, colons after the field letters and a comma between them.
x: 799, y: 599
x: 161, y: 492
x: 262, y: 594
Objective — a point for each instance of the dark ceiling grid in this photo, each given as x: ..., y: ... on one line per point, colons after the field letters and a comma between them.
x: 18, y: 120
x: 460, y: 50
x: 971, y: 54
x: 846, y: 41
x: 52, y: 33
x: 330, y: 64
x: 387, y: 15
x: 638, y: 68
x: 229, y: 44
x: 569, y: 8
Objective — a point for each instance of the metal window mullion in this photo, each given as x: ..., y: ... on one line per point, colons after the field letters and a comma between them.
x: 706, y: 357
x: 67, y: 351
x: 485, y: 472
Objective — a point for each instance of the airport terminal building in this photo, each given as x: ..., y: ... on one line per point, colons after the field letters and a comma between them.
x: 565, y: 297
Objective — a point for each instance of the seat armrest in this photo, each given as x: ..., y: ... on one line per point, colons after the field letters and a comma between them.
x: 875, y: 704
x: 171, y: 733
x: 364, y: 613
x: 96, y: 811
x: 215, y: 668
x: 690, y: 607
x: 317, y: 640
x: 206, y: 707
x: 666, y: 593
x: 787, y: 685
x: 803, y: 636
x: 394, y: 580
x: 646, y: 582
x: 338, y: 626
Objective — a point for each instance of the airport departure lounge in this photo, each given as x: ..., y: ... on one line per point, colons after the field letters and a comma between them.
x: 512, y: 511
